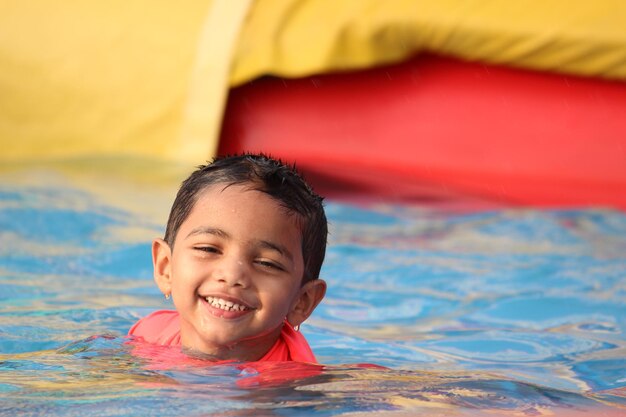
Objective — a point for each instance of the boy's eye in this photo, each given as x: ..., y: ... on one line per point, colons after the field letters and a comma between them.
x: 207, y: 249
x: 269, y: 264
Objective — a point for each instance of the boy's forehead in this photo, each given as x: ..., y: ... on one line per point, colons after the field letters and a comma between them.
x: 227, y: 204
x: 227, y: 194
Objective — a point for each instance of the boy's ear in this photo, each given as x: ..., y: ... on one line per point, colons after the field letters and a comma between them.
x: 161, y: 263
x: 310, y: 296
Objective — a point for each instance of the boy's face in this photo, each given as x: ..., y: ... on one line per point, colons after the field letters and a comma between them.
x: 235, y: 272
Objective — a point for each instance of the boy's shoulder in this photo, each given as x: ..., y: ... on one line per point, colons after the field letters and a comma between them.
x: 161, y: 327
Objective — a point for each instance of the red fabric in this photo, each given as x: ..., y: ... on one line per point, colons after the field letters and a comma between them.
x: 431, y: 127
x: 290, y: 359
x: 163, y: 328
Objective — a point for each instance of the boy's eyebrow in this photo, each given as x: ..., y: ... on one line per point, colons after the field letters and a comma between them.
x: 209, y: 231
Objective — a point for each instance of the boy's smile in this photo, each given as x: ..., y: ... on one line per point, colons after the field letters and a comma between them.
x: 235, y: 271
x: 226, y: 307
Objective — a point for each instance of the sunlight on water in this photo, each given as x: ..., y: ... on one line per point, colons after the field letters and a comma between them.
x: 515, y: 311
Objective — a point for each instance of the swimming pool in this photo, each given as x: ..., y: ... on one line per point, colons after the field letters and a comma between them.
x: 507, y: 311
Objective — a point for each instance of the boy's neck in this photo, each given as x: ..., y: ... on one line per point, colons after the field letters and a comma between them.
x: 249, y: 350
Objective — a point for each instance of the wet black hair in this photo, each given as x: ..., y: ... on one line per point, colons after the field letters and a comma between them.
x: 263, y: 173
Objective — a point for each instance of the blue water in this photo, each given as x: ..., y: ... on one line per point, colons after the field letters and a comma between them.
x: 506, y: 310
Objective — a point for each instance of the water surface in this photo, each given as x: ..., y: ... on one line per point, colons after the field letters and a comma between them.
x: 513, y: 311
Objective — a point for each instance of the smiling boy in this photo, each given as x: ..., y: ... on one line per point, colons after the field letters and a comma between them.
x: 241, y: 257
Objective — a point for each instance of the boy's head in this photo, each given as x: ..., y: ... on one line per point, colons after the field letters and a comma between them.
x: 270, y: 176
x: 242, y: 253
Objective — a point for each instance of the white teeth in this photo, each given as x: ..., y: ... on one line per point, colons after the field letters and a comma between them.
x: 225, y: 304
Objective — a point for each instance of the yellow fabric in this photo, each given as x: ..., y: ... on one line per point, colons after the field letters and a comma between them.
x: 149, y: 77
x: 294, y: 38
x: 209, y: 80
x: 115, y: 77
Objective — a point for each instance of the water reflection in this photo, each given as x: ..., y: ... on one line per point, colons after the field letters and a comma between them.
x: 103, y: 373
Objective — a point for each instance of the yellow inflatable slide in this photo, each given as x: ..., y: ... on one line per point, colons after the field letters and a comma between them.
x: 150, y: 78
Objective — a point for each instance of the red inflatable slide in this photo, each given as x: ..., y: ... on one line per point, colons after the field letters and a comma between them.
x: 432, y: 127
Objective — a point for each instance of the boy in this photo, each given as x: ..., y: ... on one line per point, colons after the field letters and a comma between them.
x: 241, y: 256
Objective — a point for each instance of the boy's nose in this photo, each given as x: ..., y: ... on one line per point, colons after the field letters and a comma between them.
x: 232, y: 272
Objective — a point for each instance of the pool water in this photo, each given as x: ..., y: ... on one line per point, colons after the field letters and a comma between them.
x: 505, y: 311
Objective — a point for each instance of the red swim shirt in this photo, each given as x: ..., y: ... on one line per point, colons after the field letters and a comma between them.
x: 163, y: 328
